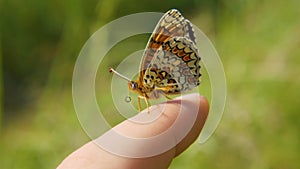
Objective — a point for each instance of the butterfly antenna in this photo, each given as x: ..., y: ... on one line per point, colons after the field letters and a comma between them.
x: 115, y: 72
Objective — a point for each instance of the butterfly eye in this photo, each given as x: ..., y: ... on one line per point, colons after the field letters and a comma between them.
x: 134, y: 85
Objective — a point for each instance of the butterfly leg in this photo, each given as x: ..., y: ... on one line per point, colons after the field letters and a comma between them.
x: 169, y: 98
x: 147, y: 103
x: 165, y: 90
x: 139, y: 103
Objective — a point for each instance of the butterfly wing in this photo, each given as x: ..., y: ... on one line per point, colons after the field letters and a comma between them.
x: 171, y: 24
x: 175, y: 68
x: 171, y: 61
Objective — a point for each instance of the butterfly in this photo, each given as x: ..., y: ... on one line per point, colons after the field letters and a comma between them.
x: 170, y: 63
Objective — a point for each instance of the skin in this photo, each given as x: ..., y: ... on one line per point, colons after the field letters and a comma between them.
x: 91, y: 156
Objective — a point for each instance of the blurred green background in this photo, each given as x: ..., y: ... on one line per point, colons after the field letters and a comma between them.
x: 258, y: 42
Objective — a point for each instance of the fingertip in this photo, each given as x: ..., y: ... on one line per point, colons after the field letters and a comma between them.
x: 197, y: 126
x: 199, y: 100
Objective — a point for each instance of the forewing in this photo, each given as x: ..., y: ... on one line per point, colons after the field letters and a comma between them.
x: 172, y: 24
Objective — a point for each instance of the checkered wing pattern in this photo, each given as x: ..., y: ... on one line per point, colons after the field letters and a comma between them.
x: 171, y: 61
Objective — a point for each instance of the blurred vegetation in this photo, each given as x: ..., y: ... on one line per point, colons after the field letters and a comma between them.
x: 258, y: 42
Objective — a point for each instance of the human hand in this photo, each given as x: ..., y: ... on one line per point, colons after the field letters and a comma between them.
x: 92, y: 156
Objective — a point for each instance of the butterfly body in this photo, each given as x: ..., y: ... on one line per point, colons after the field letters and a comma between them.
x: 170, y: 63
x: 154, y: 84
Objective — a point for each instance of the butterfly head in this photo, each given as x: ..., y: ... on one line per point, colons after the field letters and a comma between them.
x: 136, y: 86
x: 132, y: 85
